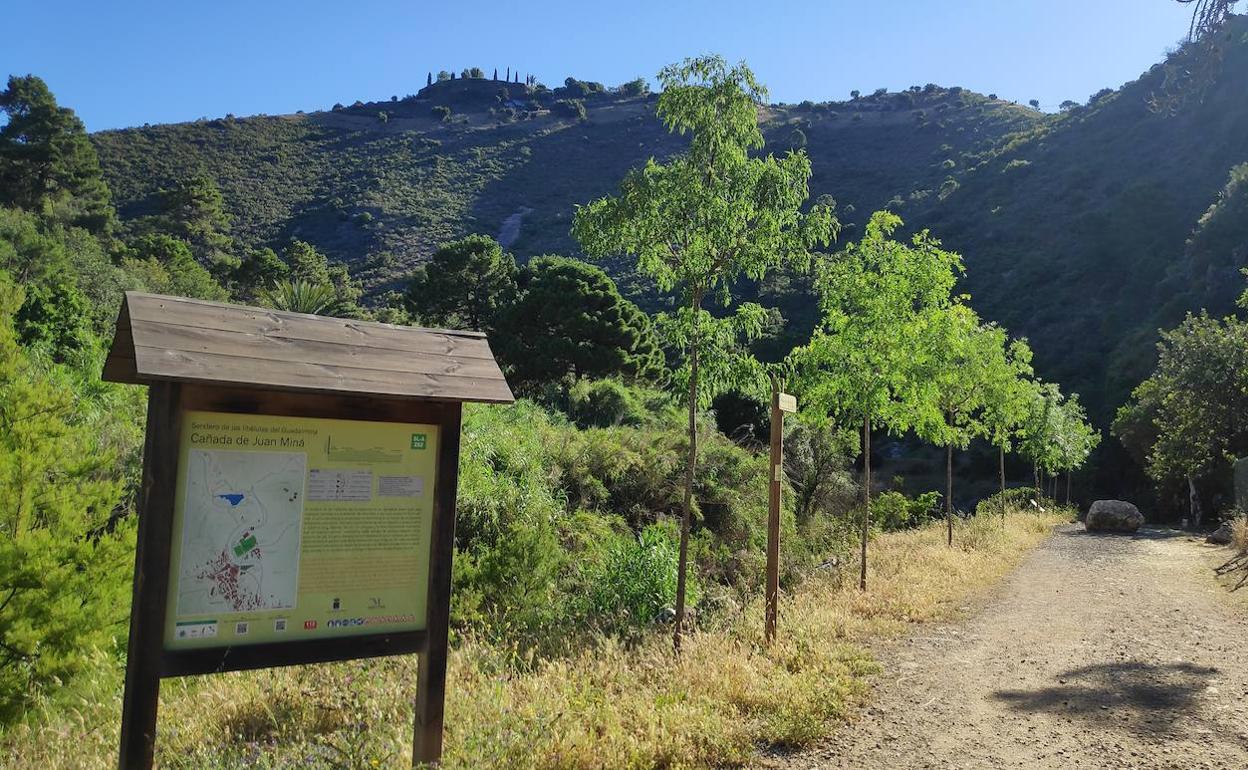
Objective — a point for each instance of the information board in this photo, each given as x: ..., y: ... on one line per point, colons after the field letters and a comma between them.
x: 290, y: 528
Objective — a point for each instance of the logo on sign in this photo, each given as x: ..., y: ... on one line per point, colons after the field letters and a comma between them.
x: 418, y: 441
x: 309, y: 625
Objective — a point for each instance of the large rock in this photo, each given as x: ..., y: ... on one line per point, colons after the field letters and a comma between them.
x: 1223, y: 535
x: 1113, y: 516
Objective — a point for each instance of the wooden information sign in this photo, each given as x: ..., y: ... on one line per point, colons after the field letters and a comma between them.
x: 298, y: 495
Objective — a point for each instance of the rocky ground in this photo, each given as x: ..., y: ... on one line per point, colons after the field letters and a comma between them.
x: 1100, y: 651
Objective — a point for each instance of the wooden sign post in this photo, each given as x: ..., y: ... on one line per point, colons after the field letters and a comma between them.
x: 298, y: 495
x: 780, y: 403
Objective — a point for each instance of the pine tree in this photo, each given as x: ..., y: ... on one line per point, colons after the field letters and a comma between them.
x: 47, y: 163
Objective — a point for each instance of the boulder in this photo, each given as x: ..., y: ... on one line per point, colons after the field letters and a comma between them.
x: 1113, y: 516
x: 1223, y: 535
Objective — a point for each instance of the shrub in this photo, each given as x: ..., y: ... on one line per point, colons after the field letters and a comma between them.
x: 63, y: 563
x: 442, y: 112
x: 604, y: 403
x: 572, y: 108
x: 637, y: 87
x: 634, y: 584
x: 891, y: 511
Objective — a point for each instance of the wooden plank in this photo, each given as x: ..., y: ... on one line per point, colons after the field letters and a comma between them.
x: 237, y: 318
x: 179, y: 366
x: 772, y: 597
x: 275, y: 654
x: 209, y: 398
x: 265, y: 348
x: 431, y: 674
x: 151, y: 579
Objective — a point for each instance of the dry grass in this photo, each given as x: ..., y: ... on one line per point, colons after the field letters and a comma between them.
x: 607, y: 707
x: 1239, y: 534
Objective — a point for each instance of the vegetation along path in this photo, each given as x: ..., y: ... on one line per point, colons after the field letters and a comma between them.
x: 1099, y: 651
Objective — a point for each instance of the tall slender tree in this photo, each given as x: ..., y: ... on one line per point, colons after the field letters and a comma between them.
x: 1009, y: 392
x: 866, y: 363
x: 965, y: 357
x: 701, y: 221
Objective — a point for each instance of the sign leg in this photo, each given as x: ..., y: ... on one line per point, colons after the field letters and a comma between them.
x: 151, y: 568
x: 431, y: 675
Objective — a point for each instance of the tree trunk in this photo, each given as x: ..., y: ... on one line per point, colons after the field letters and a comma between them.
x: 690, y: 470
x: 1068, y: 487
x: 1193, y: 500
x: 866, y: 498
x: 1001, y: 457
x: 1035, y: 473
x: 949, y: 492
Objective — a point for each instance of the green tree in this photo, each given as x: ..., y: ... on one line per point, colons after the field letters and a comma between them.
x: 165, y: 265
x: 702, y: 220
x: 1190, y: 417
x: 1006, y: 400
x: 866, y: 363
x: 1076, y: 439
x: 47, y: 163
x: 305, y: 263
x: 964, y: 357
x: 1041, y: 430
x: 193, y: 210
x: 261, y: 269
x: 570, y: 321
x: 464, y: 286
x: 63, y: 570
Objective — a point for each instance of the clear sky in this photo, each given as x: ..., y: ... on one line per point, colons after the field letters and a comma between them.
x: 134, y: 62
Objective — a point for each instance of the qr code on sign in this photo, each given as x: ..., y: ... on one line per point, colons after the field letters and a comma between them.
x: 240, y: 629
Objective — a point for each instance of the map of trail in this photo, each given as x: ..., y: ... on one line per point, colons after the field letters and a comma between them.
x: 240, y: 531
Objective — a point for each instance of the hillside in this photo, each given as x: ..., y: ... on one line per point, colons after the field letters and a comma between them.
x: 1073, y: 226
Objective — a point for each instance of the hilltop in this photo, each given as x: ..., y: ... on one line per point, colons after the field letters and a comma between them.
x: 1074, y: 226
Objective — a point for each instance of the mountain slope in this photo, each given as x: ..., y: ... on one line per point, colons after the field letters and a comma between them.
x: 1074, y: 227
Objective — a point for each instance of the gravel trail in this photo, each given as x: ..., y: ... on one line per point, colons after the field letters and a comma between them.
x: 1099, y: 651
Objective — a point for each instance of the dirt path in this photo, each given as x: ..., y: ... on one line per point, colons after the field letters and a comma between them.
x: 1098, y: 652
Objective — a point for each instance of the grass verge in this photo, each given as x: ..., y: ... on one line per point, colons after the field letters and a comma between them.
x: 607, y: 707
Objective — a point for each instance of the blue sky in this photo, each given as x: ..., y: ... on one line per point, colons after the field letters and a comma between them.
x: 129, y: 63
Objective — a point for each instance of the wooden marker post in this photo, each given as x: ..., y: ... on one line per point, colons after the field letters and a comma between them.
x: 324, y: 449
x: 780, y: 403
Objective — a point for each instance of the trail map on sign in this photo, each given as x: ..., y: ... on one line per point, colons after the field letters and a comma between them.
x: 289, y: 529
x: 240, y: 532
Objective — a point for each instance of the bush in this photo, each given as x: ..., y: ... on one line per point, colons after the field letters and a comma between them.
x: 572, y: 108
x: 638, y: 87
x: 1018, y: 498
x: 892, y: 511
x: 634, y: 584
x: 442, y: 112
x: 64, y: 566
x: 604, y: 403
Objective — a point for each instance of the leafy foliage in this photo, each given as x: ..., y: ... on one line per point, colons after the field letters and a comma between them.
x: 47, y: 163
x: 464, y: 286
x: 1189, y: 419
x: 64, y: 566
x: 700, y: 222
x: 569, y: 321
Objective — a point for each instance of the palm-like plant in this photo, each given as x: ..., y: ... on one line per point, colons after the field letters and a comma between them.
x: 300, y: 296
